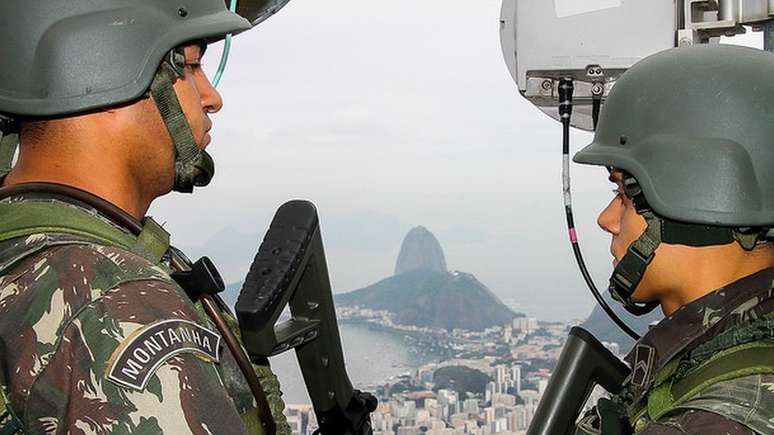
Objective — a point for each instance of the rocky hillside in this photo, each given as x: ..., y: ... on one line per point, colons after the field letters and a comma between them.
x: 424, y: 297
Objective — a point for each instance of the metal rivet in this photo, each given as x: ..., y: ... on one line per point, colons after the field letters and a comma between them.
x: 183, y: 12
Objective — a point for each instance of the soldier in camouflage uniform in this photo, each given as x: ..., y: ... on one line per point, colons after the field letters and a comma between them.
x: 686, y: 135
x: 95, y: 335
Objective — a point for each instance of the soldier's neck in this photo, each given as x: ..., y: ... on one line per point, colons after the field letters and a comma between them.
x: 711, y: 270
x: 100, y: 174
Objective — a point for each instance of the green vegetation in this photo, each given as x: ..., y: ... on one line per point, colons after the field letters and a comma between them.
x: 403, y: 387
x: 461, y: 379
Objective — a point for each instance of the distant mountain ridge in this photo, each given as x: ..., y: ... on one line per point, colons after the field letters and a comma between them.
x: 423, y: 293
x: 424, y: 297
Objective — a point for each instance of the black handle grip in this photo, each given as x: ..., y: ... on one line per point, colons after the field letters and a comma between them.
x: 274, y: 267
x: 583, y: 363
x: 290, y: 269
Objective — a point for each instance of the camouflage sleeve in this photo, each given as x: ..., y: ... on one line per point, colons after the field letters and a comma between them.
x: 747, y: 400
x: 106, y: 353
x: 696, y: 422
x: 96, y: 340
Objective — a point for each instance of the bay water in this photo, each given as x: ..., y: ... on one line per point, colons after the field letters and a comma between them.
x: 372, y: 356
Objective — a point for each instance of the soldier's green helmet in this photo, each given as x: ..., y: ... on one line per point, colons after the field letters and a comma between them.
x: 63, y: 57
x: 692, y: 129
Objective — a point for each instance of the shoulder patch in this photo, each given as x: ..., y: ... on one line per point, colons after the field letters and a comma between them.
x: 137, y: 358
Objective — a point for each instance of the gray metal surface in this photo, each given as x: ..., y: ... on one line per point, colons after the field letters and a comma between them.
x: 543, y: 40
x: 595, y: 41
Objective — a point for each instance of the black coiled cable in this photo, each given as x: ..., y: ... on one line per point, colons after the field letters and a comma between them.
x: 565, y: 112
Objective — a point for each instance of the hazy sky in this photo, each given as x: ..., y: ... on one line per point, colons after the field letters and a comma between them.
x: 387, y: 115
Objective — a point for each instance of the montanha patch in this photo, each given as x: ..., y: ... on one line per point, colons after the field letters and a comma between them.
x: 138, y: 357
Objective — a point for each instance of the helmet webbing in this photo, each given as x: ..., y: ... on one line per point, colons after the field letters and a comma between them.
x: 629, y: 271
x: 9, y: 140
x: 8, y: 143
x: 193, y: 166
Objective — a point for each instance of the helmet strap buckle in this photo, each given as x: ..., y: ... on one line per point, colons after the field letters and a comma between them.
x: 9, y: 141
x: 176, y: 61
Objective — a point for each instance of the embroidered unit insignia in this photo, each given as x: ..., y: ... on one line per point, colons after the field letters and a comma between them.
x: 138, y: 357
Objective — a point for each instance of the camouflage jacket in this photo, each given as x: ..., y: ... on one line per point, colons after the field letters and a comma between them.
x: 738, y: 314
x: 96, y: 339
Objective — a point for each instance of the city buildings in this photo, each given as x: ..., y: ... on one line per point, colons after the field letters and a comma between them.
x: 517, y: 358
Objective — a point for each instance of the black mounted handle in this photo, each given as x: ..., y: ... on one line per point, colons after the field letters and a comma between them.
x: 290, y: 269
x: 584, y: 362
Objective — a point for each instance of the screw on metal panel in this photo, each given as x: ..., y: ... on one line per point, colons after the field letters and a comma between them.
x: 547, y: 84
x: 597, y: 89
x: 183, y: 12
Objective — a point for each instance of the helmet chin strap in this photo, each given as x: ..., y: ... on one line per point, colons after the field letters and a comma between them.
x: 630, y: 270
x: 194, y: 167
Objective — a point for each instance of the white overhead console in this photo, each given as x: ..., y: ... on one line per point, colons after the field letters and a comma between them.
x: 594, y: 41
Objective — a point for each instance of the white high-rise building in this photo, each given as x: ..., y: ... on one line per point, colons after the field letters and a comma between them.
x: 501, y: 374
x: 525, y: 324
x: 516, y: 377
x: 521, y: 418
x: 491, y: 389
